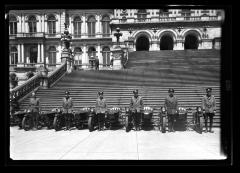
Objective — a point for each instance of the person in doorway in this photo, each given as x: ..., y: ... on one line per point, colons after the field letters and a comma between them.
x: 171, y: 105
x: 209, y: 109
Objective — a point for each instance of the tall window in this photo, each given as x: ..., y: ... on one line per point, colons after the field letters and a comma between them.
x: 91, y: 52
x: 13, y: 56
x: 13, y: 25
x: 142, y: 14
x: 52, y: 55
x: 106, y: 56
x: 163, y: 12
x: 51, y: 25
x: 105, y: 26
x: 78, y: 56
x: 77, y: 26
x: 186, y: 13
x: 32, y: 23
x: 91, y: 26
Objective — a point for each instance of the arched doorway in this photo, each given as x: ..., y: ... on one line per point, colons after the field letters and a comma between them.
x: 142, y: 43
x: 191, y: 42
x: 166, y: 42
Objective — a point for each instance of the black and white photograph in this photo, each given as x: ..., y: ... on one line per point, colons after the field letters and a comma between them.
x: 115, y: 84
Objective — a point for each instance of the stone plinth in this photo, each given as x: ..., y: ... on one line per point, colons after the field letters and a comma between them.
x: 117, y: 54
x: 66, y: 57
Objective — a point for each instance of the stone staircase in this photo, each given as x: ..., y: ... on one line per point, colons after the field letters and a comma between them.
x: 188, y: 72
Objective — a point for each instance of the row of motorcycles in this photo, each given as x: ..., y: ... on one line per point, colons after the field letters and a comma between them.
x: 114, y: 117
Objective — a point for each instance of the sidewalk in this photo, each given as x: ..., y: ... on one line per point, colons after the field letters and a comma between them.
x: 113, y: 145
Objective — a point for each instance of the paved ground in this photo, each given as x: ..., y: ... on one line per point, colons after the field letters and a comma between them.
x: 113, y: 145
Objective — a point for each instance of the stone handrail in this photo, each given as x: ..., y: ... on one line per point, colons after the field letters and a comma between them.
x: 28, y: 86
x: 57, y: 74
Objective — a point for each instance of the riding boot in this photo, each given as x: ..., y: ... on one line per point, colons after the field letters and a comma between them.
x: 173, y: 126
x: 206, y: 128
x: 169, y: 126
x: 210, y: 129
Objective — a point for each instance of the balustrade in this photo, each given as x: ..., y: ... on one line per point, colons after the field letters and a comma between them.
x: 53, y: 77
x: 28, y: 86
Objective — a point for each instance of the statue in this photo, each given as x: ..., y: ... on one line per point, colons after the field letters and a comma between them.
x: 66, y: 38
x: 118, y: 35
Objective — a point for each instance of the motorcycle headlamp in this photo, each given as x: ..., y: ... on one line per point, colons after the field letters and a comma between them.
x: 163, y: 109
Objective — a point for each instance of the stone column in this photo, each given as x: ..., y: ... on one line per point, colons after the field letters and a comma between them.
x: 23, y: 24
x: 19, y: 54
x: 83, y: 25
x: 97, y: 27
x: 38, y: 58
x: 22, y: 52
x: 85, y: 59
x: 42, y: 49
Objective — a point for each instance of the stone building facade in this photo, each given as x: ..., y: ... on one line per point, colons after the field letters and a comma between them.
x: 34, y: 35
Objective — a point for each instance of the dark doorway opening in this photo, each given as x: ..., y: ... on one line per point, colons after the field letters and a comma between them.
x: 191, y: 42
x: 166, y: 43
x: 33, y: 54
x: 142, y: 44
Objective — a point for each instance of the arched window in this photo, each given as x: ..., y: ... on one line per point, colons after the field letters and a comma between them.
x: 51, y: 24
x: 105, y: 26
x: 91, y: 52
x: 91, y: 26
x: 77, y: 26
x: 13, y: 56
x: 12, y: 25
x: 78, y: 56
x: 141, y: 15
x: 52, y: 55
x: 106, y: 56
x: 32, y: 23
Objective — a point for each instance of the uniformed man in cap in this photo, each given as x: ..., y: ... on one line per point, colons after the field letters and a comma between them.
x: 209, y: 108
x: 35, y: 108
x: 101, y: 109
x: 136, y: 107
x: 67, y: 106
x: 171, y: 105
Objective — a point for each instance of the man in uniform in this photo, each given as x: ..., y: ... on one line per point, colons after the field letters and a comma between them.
x: 67, y: 106
x: 209, y: 108
x: 101, y: 109
x: 34, y: 107
x: 136, y: 107
x: 171, y: 105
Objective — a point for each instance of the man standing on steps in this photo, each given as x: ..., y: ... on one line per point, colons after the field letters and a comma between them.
x: 67, y: 109
x: 101, y: 110
x: 136, y: 107
x: 209, y: 108
x: 171, y: 105
x: 34, y: 107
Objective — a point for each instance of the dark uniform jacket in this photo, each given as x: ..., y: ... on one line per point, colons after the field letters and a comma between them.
x: 67, y: 105
x: 208, y: 104
x: 34, y: 104
x: 171, y: 104
x: 136, y: 104
x: 101, y: 106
